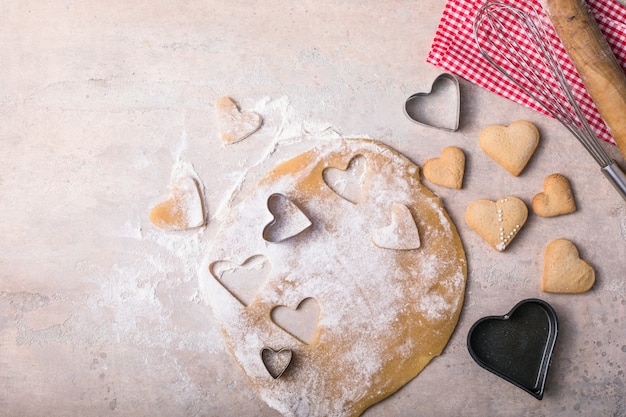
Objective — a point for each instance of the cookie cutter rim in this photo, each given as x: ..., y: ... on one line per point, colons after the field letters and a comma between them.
x: 276, y: 352
x: 274, y: 220
x: 536, y: 390
x: 446, y: 75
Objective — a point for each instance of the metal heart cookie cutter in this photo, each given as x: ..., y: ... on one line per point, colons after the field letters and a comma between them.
x: 518, y: 346
x: 288, y: 220
x: 438, y: 108
x: 276, y: 361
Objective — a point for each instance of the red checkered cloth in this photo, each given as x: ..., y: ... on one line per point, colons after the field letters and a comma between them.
x: 454, y: 49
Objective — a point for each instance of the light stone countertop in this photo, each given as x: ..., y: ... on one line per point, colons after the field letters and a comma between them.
x: 101, y: 101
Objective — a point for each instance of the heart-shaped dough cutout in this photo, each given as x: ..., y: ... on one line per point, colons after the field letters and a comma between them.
x: 242, y: 281
x: 510, y: 146
x: 497, y: 222
x: 517, y: 346
x: 564, y: 271
x: 183, y: 210
x: 347, y: 182
x: 556, y: 199
x: 288, y: 222
x: 448, y: 169
x: 235, y: 125
x: 440, y: 107
x: 401, y: 233
x: 276, y: 361
x: 301, y: 323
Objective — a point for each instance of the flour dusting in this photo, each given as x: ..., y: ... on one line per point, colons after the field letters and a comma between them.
x: 381, y: 310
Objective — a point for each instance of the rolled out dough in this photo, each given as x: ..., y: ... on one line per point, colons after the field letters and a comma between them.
x: 383, y: 314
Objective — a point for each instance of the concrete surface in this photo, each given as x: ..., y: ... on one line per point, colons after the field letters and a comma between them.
x: 100, y: 102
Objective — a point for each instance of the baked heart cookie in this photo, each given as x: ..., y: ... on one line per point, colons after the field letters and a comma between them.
x: 371, y: 317
x: 510, y: 146
x: 564, y: 271
x: 235, y: 125
x: 555, y: 199
x: 497, y: 222
x: 448, y: 169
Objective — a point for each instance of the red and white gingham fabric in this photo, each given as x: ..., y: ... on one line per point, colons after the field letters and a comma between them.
x: 454, y: 49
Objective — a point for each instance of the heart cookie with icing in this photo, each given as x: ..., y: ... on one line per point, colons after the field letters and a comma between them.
x: 448, y: 169
x: 510, y: 146
x: 564, y: 271
x: 235, y: 125
x: 497, y: 222
x: 555, y: 199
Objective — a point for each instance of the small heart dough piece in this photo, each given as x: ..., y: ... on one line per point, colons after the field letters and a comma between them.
x: 564, y: 271
x: 235, y: 125
x: 183, y: 210
x: 556, y: 198
x: 497, y: 222
x: 401, y: 234
x: 448, y: 169
x: 512, y: 146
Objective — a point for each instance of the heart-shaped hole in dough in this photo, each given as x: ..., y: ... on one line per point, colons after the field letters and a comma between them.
x: 242, y: 281
x: 347, y: 182
x: 301, y: 323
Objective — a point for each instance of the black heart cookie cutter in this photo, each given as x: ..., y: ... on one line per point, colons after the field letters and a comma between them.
x: 518, y: 346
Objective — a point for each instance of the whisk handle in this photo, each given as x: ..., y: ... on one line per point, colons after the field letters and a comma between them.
x: 593, y: 58
x: 617, y: 177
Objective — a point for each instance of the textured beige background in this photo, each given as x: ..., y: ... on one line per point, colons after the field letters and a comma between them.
x: 100, y: 101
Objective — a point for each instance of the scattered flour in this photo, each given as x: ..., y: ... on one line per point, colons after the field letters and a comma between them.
x: 381, y: 310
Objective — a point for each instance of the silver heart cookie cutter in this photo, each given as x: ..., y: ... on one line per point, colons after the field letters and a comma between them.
x: 278, y: 201
x: 433, y: 109
x: 276, y: 361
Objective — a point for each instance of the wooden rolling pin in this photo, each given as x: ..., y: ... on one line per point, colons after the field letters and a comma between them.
x: 600, y: 71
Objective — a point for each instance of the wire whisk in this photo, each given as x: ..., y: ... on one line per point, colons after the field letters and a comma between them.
x: 517, y: 45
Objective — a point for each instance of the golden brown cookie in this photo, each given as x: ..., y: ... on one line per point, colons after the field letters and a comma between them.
x: 556, y: 198
x: 497, y: 222
x: 564, y: 271
x: 448, y: 169
x: 512, y: 146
